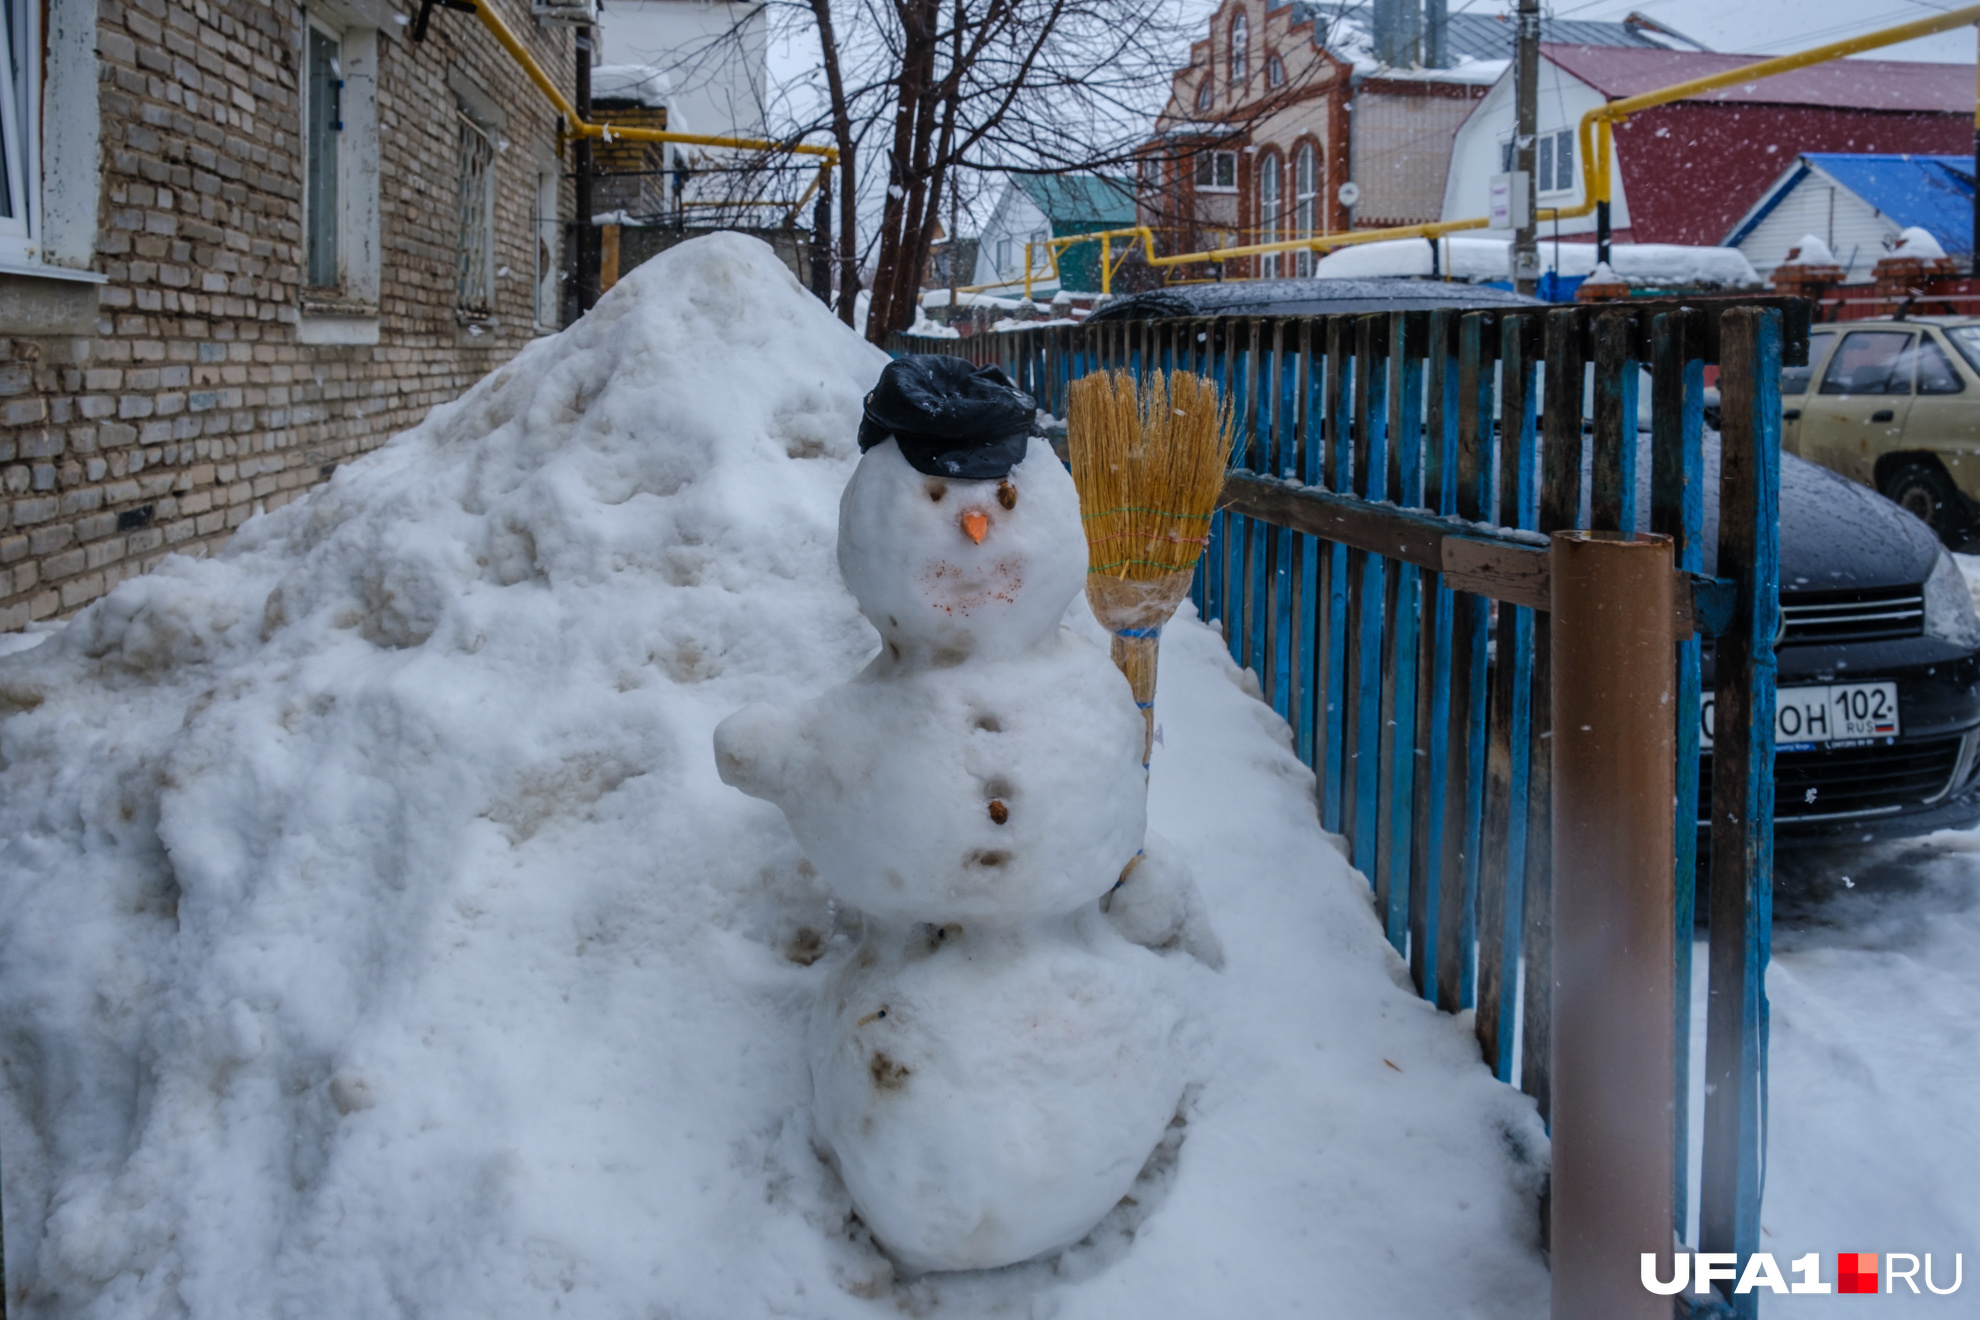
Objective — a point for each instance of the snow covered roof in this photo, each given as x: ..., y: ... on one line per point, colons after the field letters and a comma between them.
x: 1468, y: 257
x: 1901, y: 85
x: 1347, y: 31
x: 1933, y: 193
x: 1080, y: 199
x: 641, y: 84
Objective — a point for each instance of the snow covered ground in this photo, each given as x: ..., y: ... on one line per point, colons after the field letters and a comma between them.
x: 382, y: 942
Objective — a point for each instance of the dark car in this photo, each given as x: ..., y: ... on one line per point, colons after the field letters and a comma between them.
x: 1879, y: 683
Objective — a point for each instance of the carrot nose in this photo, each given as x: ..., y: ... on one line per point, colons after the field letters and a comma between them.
x: 976, y: 525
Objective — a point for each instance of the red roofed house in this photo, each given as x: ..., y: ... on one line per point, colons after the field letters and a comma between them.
x: 1687, y: 172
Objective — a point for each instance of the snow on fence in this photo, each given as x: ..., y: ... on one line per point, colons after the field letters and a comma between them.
x: 1382, y: 562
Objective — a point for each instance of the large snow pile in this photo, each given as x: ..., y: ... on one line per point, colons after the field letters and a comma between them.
x: 381, y: 941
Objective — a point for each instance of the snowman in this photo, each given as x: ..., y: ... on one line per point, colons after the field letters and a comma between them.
x: 994, y: 1063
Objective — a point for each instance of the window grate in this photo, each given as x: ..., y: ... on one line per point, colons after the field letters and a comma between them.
x: 474, y: 286
x: 323, y: 211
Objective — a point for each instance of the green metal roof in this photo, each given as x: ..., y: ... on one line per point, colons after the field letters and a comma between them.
x: 1080, y: 199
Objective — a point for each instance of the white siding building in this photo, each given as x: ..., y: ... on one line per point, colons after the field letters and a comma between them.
x: 1015, y: 221
x: 714, y: 53
x: 1857, y: 204
x: 1483, y: 147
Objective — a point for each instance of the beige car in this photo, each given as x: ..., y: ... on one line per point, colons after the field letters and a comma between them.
x: 1895, y: 404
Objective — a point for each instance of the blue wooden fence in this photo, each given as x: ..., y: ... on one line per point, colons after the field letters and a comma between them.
x: 1394, y: 479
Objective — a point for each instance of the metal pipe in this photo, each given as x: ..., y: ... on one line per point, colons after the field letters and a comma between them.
x: 1597, y: 185
x: 1614, y: 648
x: 586, y: 255
x: 578, y: 124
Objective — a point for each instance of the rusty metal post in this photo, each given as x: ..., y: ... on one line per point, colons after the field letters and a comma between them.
x: 1614, y: 677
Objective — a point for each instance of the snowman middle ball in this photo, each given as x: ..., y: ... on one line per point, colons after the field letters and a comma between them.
x: 985, y: 766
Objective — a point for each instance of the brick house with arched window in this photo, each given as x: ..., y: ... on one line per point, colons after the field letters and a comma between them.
x: 1281, y: 105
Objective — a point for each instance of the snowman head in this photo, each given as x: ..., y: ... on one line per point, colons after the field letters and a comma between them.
x: 959, y: 533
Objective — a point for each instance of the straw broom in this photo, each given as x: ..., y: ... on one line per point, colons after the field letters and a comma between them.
x: 1149, y: 463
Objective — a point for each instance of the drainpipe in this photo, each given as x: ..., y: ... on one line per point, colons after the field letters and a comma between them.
x: 586, y: 252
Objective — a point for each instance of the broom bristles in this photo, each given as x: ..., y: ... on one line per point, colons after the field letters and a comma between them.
x: 1149, y: 463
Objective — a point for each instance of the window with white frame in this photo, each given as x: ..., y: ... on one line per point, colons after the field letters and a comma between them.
x: 1306, y: 201
x: 323, y: 128
x: 1563, y: 162
x: 340, y: 193
x: 1268, y: 211
x: 19, y: 131
x: 1240, y: 51
x: 1216, y: 171
x: 544, y: 228
x: 1205, y: 91
x: 474, y: 287
x: 1275, y: 71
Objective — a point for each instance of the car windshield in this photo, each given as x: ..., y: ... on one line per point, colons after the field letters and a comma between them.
x: 1794, y: 380
x: 1966, y: 338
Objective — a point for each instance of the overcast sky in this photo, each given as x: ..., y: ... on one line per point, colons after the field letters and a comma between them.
x: 1772, y: 27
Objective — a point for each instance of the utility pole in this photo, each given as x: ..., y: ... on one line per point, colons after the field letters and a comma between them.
x: 1526, y: 126
x: 585, y: 250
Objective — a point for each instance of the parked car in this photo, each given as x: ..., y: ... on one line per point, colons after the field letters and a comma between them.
x: 1895, y: 404
x: 1878, y: 654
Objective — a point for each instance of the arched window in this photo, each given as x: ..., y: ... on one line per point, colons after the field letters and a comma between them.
x: 1275, y: 71
x: 1240, y: 52
x: 1306, y: 200
x: 1206, y: 90
x: 1269, y: 211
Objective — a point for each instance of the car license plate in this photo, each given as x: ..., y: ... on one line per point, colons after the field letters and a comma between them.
x: 1829, y: 713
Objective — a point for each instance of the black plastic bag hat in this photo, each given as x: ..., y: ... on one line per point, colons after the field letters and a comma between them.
x: 950, y: 419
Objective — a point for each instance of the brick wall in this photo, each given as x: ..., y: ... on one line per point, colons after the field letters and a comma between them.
x: 628, y: 174
x: 193, y: 404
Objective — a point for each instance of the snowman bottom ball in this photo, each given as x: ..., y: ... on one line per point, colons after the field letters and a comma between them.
x: 989, y: 1095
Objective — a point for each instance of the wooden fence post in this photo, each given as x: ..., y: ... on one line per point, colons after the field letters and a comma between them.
x: 1614, y: 641
x: 1742, y: 788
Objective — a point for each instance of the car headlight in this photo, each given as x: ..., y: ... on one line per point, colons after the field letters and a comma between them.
x: 1949, y: 604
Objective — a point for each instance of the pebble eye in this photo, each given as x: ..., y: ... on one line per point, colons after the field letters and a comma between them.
x: 1007, y: 495
x: 936, y: 490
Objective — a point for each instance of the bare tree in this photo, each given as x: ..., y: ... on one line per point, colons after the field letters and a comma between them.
x: 915, y: 93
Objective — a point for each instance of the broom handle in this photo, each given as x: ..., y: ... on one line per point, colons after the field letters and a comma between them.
x: 1134, y: 654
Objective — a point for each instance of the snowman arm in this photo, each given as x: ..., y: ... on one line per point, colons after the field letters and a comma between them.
x: 755, y: 748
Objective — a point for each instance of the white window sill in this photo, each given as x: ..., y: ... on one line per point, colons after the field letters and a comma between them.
x: 333, y: 324
x: 36, y: 271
